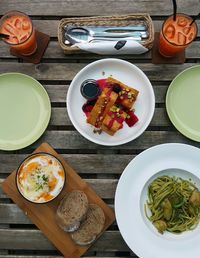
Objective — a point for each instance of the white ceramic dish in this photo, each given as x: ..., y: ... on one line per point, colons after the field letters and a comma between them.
x: 126, y: 73
x: 40, y: 178
x: 131, y: 194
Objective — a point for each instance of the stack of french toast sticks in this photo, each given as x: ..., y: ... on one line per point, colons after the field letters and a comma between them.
x: 112, y: 106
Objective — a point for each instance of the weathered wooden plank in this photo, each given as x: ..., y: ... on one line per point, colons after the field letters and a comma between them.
x: 2, y: 194
x: 160, y: 118
x: 50, y: 27
x: 96, y: 7
x: 82, y: 163
x: 54, y: 51
x: 67, y: 71
x: 44, y: 25
x: 12, y: 214
x: 105, y: 188
x: 60, y: 117
x: 73, y: 140
x: 20, y: 239
x: 57, y: 93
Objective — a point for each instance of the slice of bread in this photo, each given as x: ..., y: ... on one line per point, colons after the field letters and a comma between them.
x: 91, y: 227
x: 72, y: 210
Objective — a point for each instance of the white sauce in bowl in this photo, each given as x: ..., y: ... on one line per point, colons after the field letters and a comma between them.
x: 40, y: 178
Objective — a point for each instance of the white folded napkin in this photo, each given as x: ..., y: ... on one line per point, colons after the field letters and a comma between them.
x: 109, y: 47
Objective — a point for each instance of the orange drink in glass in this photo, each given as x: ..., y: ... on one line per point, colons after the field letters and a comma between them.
x: 19, y: 27
x: 177, y: 34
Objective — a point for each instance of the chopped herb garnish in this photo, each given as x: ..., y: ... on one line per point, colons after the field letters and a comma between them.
x: 41, y: 179
x: 45, y: 178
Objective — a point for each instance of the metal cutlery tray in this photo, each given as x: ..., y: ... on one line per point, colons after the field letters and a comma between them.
x: 118, y: 20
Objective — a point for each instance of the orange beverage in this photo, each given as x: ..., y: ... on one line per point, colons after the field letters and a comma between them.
x: 21, y: 33
x: 176, y: 35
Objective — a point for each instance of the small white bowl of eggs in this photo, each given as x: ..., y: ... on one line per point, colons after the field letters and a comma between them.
x: 40, y: 178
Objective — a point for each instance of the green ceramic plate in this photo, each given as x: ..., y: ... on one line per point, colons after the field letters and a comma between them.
x: 25, y: 110
x: 183, y: 102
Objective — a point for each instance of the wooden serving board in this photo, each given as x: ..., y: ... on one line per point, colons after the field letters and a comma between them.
x: 43, y: 215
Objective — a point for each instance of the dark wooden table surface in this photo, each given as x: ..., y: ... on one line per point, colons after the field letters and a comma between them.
x: 98, y: 165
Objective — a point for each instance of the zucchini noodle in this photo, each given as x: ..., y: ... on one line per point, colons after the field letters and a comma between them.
x: 174, y: 204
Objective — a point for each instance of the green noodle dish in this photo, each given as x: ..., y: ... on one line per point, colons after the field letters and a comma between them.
x: 174, y: 204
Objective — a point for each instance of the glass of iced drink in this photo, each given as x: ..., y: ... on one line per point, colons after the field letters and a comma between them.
x: 176, y: 34
x: 19, y: 27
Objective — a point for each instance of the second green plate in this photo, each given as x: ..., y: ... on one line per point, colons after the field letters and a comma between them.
x: 183, y: 102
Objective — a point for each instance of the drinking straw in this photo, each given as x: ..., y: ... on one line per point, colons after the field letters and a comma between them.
x: 194, y: 19
x: 174, y: 9
x: 4, y: 36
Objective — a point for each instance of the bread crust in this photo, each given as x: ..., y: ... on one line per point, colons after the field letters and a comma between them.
x: 91, y: 227
x: 72, y: 210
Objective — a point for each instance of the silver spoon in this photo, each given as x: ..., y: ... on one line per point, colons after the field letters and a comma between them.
x: 129, y: 28
x: 82, y: 31
x: 80, y: 34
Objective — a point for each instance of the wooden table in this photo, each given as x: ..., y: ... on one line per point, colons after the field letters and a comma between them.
x: 98, y: 165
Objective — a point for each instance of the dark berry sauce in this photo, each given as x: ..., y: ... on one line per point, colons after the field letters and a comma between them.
x: 88, y: 106
x: 90, y: 89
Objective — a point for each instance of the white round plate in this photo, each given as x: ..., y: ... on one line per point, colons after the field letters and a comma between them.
x: 131, y: 195
x: 126, y: 73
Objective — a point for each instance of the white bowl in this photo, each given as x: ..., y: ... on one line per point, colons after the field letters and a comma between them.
x: 42, y: 167
x: 126, y: 73
x: 141, y: 236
